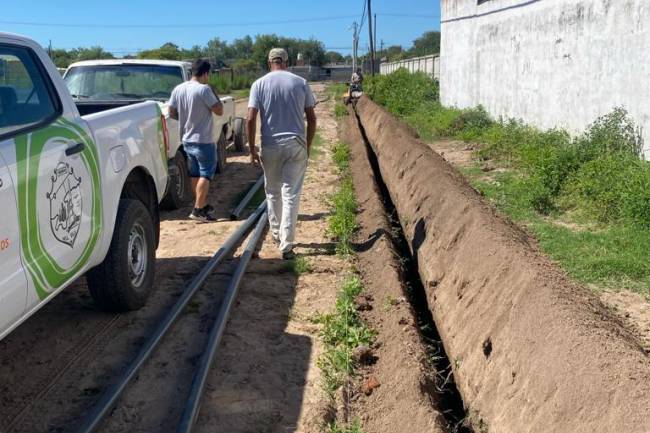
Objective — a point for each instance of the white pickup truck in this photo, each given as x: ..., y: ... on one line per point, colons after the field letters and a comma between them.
x: 79, y: 194
x: 98, y: 85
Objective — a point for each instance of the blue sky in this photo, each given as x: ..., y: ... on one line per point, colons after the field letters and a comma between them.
x: 126, y: 26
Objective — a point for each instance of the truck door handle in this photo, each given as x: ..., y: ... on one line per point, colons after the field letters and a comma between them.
x: 74, y: 149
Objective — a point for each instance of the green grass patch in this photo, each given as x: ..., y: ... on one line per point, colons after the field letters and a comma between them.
x: 342, y: 332
x: 341, y: 155
x: 587, y: 198
x: 604, y: 256
x: 299, y: 266
x: 337, y: 91
x: 355, y: 427
x: 340, y: 110
x: 342, y: 222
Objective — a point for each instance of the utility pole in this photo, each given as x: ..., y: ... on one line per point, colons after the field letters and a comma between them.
x: 371, y: 35
x: 355, y: 45
x: 49, y: 49
x: 374, y: 37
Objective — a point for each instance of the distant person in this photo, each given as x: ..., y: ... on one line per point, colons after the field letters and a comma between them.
x: 282, y: 99
x: 357, y: 77
x: 192, y: 104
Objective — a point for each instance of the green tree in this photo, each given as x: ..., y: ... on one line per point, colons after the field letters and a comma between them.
x: 394, y: 52
x: 196, y: 52
x: 334, y: 57
x: 245, y: 65
x: 312, y: 50
x: 168, y: 51
x: 218, y: 49
x: 242, y: 48
x: 428, y: 43
x: 61, y: 58
x: 92, y: 53
x: 262, y: 46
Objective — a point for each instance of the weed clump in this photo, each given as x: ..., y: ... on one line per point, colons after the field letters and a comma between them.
x: 342, y: 222
x: 402, y: 92
x: 342, y: 332
x: 340, y: 110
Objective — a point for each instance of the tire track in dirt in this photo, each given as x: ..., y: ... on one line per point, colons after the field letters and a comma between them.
x: 68, y: 360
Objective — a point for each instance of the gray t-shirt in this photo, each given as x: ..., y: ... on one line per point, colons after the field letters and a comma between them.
x: 193, y: 101
x: 281, y: 98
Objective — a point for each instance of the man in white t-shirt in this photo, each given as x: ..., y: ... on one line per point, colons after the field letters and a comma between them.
x: 192, y: 103
x: 282, y: 100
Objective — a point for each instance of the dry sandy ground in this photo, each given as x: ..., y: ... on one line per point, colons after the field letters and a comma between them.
x: 631, y: 307
x: 265, y: 378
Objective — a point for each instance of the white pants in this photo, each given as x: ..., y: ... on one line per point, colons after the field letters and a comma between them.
x: 284, y: 172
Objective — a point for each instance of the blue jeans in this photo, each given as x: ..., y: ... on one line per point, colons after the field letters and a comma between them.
x: 201, y: 159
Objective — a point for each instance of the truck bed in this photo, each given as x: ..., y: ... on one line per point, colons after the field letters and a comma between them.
x: 96, y: 107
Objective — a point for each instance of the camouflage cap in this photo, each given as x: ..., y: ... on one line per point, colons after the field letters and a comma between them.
x: 278, y: 53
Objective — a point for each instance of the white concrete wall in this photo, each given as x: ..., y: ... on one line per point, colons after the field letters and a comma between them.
x: 428, y: 64
x: 552, y: 63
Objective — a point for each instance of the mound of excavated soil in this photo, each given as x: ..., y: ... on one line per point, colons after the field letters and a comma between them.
x: 402, y: 402
x: 532, y: 351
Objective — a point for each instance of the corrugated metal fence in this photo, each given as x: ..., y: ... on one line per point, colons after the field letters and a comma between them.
x: 428, y: 64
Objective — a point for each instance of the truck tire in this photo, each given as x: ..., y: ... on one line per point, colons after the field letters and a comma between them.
x: 178, y: 192
x: 124, y: 280
x: 239, y: 138
x: 222, y: 159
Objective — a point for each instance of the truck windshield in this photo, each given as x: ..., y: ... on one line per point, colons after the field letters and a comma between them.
x: 120, y: 82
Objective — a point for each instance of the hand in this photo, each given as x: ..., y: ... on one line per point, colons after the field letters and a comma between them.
x: 255, y: 157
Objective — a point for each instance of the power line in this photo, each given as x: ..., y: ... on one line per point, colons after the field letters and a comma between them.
x: 224, y: 24
x: 149, y: 26
x: 372, y: 42
x: 363, y: 16
x: 407, y: 15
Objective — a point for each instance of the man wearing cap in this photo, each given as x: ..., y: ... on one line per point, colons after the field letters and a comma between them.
x: 283, y: 100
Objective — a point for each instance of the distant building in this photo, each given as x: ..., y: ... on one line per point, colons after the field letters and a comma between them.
x: 309, y: 73
x: 336, y: 72
x: 549, y: 62
x: 300, y: 60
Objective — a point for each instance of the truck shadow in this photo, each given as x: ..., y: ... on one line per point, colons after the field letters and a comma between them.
x: 258, y: 380
x: 57, y: 364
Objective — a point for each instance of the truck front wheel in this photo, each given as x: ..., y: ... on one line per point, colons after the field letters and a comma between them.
x: 124, y: 280
x: 178, y: 191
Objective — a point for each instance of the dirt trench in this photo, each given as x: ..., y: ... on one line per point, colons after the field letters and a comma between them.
x: 406, y: 400
x: 531, y: 351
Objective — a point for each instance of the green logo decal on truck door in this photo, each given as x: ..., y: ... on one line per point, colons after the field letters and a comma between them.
x: 59, y: 201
